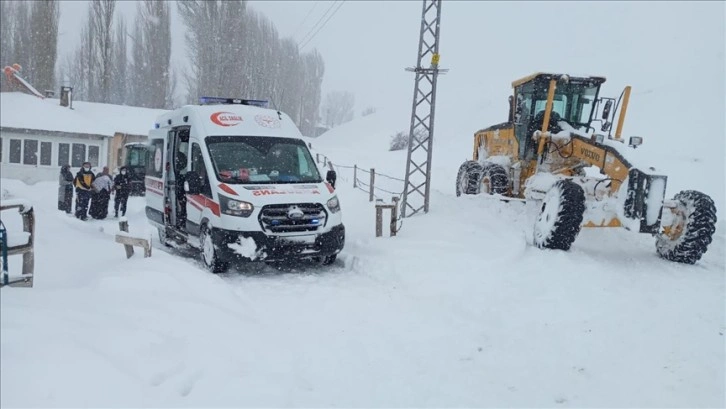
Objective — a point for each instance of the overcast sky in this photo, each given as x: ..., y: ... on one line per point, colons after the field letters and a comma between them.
x: 367, y: 44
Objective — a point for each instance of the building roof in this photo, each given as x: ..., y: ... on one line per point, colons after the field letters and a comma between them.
x: 24, y: 111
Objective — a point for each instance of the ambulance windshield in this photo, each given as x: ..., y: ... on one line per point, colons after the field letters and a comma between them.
x: 256, y: 159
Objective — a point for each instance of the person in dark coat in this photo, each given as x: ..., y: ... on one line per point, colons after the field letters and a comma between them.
x: 122, y: 186
x: 83, y: 181
x: 102, y: 187
x: 65, y: 189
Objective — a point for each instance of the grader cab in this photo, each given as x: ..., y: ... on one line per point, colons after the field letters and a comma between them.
x: 543, y: 154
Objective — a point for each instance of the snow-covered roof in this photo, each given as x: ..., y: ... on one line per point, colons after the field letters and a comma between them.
x: 19, y: 110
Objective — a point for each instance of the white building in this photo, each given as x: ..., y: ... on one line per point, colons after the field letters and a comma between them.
x: 38, y: 136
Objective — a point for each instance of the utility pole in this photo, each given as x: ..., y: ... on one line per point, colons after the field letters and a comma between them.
x: 421, y: 134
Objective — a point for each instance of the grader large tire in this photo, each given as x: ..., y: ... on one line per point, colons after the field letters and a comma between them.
x: 559, y: 220
x: 494, y: 179
x: 467, y: 180
x: 694, y: 222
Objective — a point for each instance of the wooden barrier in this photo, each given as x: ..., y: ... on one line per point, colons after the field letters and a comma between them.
x: 129, y: 242
x: 27, y: 249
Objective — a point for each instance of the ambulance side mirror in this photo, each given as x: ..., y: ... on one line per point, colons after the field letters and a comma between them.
x: 193, y: 183
x: 331, y: 177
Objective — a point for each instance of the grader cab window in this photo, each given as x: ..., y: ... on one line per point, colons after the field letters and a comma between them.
x: 583, y: 101
x: 573, y: 103
x: 527, y: 105
x: 558, y: 105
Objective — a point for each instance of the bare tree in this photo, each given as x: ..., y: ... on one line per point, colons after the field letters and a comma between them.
x: 338, y: 108
x: 314, y: 69
x: 368, y: 111
x: 203, y: 38
x: 137, y: 76
x: 152, y: 54
x: 119, y: 80
x: 6, y: 38
x: 22, y: 52
x: 237, y: 52
x: 101, y: 21
x: 290, y: 78
x: 91, y: 68
x: 43, y: 26
x: 171, y: 90
x: 81, y: 68
x: 399, y: 141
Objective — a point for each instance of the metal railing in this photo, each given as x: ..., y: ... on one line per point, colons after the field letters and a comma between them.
x: 370, y: 188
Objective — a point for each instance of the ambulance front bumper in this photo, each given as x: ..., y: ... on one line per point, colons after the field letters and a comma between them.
x: 258, y: 246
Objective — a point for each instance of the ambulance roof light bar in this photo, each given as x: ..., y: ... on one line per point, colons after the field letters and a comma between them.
x: 233, y: 101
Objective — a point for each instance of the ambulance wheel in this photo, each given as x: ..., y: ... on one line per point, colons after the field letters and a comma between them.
x: 162, y: 237
x: 210, y: 255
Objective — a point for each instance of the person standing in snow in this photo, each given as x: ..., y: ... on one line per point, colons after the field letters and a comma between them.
x: 83, y: 181
x: 102, y: 187
x: 65, y: 189
x: 122, y: 185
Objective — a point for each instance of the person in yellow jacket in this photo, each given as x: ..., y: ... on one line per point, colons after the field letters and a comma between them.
x: 83, y: 181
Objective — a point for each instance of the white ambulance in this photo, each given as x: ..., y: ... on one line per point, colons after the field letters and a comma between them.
x: 235, y: 180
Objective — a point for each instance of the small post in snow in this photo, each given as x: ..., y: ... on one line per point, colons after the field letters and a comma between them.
x: 123, y: 225
x: 394, y: 215
x: 373, y: 180
x: 355, y: 176
x: 380, y: 206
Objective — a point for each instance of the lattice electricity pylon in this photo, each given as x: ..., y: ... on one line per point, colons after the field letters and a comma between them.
x: 421, y: 134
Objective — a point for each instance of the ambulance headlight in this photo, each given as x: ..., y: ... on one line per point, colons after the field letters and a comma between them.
x: 334, y: 204
x: 235, y: 207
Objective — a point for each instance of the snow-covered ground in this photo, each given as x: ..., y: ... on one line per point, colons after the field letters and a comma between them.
x: 457, y: 310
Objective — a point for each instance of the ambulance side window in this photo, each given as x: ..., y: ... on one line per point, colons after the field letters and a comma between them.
x: 154, y: 165
x: 199, y: 167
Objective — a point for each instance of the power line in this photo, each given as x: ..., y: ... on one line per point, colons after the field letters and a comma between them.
x: 304, y: 19
x: 305, y: 42
x: 317, y: 22
x: 321, y: 27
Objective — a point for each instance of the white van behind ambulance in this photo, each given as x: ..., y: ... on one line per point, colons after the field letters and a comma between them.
x: 235, y: 180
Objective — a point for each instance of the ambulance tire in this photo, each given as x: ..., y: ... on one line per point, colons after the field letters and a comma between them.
x: 210, y: 255
x: 162, y: 237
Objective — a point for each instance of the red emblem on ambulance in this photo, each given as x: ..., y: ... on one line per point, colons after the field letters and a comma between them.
x: 225, y: 118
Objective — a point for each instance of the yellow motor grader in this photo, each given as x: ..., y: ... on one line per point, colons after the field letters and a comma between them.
x: 546, y: 152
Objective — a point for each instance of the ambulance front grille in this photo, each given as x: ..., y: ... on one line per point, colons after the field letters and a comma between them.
x: 277, y: 218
